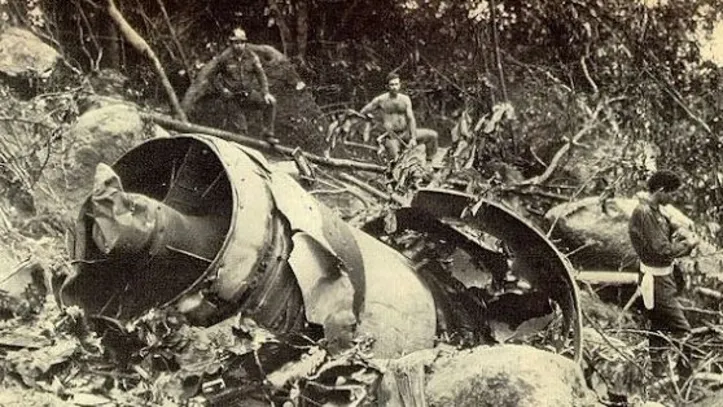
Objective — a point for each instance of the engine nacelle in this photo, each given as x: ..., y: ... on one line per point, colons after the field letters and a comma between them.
x: 207, y: 227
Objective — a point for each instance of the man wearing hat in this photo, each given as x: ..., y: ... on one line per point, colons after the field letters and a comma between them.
x: 233, y: 82
x: 657, y: 245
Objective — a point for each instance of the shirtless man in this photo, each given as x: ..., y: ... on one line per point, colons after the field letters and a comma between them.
x: 399, y: 122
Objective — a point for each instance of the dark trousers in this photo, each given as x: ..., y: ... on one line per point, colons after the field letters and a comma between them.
x: 667, y: 318
x: 254, y: 100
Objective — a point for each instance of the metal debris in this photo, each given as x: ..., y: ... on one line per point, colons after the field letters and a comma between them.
x: 204, y: 227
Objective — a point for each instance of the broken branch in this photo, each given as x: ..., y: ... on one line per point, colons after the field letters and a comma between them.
x: 142, y: 46
x: 174, y: 37
x: 591, y: 123
x: 708, y: 292
x: 368, y: 188
x: 284, y: 31
x: 607, y: 277
x: 186, y: 127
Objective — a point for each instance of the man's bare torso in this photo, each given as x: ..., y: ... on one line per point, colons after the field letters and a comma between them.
x: 394, y: 111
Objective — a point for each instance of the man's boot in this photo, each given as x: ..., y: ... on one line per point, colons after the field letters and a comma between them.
x: 269, y: 136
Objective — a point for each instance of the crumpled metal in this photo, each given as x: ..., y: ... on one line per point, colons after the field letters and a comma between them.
x: 255, y: 243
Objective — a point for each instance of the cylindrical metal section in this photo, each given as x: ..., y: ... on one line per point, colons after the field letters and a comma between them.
x: 399, y: 311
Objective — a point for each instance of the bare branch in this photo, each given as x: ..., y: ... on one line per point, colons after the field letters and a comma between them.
x: 586, y: 71
x: 174, y: 37
x: 284, y: 31
x: 495, y: 39
x: 590, y: 124
x: 92, y: 3
x: 675, y: 95
x: 142, y: 46
x: 186, y: 127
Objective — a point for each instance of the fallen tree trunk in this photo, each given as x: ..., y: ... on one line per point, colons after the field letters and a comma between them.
x: 202, y: 81
x: 186, y: 127
x: 716, y: 295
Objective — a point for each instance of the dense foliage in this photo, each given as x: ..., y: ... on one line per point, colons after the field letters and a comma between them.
x: 638, y: 62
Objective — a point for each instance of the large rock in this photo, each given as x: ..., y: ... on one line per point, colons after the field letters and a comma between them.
x: 510, y: 375
x: 99, y: 135
x: 24, y: 54
x: 498, y: 376
x: 596, y: 231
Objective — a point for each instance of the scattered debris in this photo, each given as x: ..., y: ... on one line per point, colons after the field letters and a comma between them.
x: 22, y: 290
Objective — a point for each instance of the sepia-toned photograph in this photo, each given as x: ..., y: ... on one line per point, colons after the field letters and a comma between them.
x: 357, y: 203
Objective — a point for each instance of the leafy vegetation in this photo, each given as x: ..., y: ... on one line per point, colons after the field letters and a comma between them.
x: 552, y: 61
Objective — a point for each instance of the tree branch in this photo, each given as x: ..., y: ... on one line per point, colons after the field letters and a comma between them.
x: 174, y: 37
x: 495, y: 40
x: 677, y: 97
x: 284, y: 31
x: 203, y: 79
x: 370, y: 189
x: 186, y: 127
x: 590, y: 124
x: 142, y: 46
x: 586, y: 71
x: 302, y: 29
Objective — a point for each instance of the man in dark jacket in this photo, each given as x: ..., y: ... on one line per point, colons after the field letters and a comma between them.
x: 657, y: 245
x: 233, y: 82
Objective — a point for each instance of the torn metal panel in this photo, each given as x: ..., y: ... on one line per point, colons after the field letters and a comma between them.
x: 535, y: 258
x: 399, y: 309
x: 306, y: 215
x: 324, y: 284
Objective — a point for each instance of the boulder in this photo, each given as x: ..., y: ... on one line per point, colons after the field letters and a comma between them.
x: 31, y: 398
x: 509, y: 375
x: 24, y: 54
x: 499, y: 376
x: 99, y: 135
x: 596, y: 231
x: 713, y: 400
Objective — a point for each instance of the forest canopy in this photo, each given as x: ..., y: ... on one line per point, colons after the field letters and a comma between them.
x: 552, y: 61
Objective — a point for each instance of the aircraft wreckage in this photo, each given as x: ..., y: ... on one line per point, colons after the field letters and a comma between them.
x: 207, y: 227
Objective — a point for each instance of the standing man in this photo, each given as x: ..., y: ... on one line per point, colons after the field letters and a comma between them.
x: 233, y: 82
x: 657, y: 245
x: 399, y: 122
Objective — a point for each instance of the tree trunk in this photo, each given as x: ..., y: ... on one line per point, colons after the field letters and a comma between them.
x: 302, y: 28
x: 142, y: 46
x: 112, y: 49
x: 169, y: 123
x: 284, y: 31
x: 201, y: 83
x: 174, y: 37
